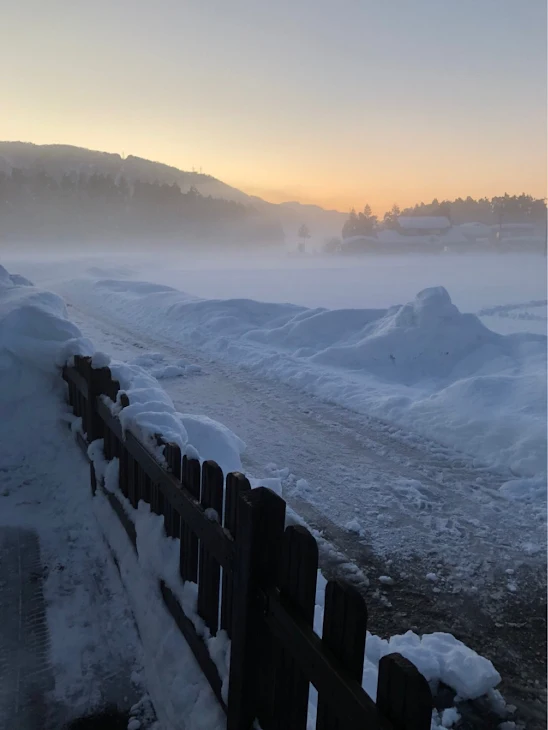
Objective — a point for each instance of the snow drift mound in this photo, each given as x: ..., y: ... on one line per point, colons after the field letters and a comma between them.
x: 427, y: 338
x: 423, y: 365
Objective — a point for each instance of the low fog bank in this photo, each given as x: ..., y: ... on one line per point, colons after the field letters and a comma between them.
x: 509, y: 290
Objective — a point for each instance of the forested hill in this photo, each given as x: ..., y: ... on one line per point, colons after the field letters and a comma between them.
x: 52, y: 197
x: 57, y: 160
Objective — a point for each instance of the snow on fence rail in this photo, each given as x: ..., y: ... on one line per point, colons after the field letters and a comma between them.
x: 254, y: 579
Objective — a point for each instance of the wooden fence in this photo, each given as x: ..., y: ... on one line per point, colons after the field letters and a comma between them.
x: 257, y: 581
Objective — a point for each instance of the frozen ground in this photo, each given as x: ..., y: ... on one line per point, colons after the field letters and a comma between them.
x: 397, y: 503
x: 426, y: 367
x: 92, y: 653
x: 108, y: 636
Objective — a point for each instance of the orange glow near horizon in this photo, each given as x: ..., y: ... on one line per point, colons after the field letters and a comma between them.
x: 322, y: 117
x: 404, y: 190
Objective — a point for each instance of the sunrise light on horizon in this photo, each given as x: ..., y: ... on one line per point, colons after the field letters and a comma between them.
x: 329, y: 106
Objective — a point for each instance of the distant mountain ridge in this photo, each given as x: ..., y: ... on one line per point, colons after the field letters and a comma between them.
x: 58, y: 159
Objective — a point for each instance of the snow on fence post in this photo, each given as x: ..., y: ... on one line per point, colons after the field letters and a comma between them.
x: 343, y: 635
x: 188, y: 560
x: 259, y: 531
x: 209, y: 576
x: 403, y: 694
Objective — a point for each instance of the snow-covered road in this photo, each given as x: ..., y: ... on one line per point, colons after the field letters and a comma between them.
x: 462, y: 557
x: 369, y: 484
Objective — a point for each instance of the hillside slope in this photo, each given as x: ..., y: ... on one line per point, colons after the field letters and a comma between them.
x: 58, y: 159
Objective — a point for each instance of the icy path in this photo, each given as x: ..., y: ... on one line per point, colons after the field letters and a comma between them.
x: 84, y: 651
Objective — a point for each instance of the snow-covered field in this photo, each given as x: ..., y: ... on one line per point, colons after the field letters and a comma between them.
x: 47, y: 489
x: 401, y: 353
x: 507, y: 287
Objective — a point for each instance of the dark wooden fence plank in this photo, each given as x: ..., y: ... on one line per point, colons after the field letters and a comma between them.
x: 209, y: 571
x: 236, y: 484
x: 297, y: 584
x: 344, y: 632
x: 260, y: 525
x: 323, y: 668
x: 133, y: 491
x: 172, y: 519
x: 188, y: 562
x: 124, y: 470
x: 403, y: 694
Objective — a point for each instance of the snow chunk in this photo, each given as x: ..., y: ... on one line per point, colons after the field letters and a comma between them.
x: 354, y: 526
x: 214, y: 441
x: 100, y: 360
x: 450, y: 717
x: 469, y: 674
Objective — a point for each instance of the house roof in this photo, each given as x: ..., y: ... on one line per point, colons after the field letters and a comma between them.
x: 424, y: 222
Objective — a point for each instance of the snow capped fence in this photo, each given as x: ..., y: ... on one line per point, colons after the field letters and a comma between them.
x: 256, y: 581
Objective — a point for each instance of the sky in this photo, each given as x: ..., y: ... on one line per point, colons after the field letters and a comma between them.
x: 333, y: 103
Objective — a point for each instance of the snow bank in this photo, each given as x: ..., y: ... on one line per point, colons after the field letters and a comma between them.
x: 423, y: 365
x: 36, y: 334
x: 34, y: 327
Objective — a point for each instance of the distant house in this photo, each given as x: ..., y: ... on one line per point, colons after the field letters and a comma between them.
x: 475, y: 231
x: 519, y: 237
x: 514, y: 230
x: 423, y: 225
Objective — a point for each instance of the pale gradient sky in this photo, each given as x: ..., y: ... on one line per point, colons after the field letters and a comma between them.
x: 335, y: 103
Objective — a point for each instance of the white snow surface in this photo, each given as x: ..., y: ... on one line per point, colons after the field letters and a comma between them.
x: 35, y: 336
x: 423, y: 365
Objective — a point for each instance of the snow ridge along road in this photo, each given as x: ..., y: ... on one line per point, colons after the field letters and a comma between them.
x: 400, y: 495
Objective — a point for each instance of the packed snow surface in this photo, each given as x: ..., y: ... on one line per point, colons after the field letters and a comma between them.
x: 36, y: 337
x: 424, y: 365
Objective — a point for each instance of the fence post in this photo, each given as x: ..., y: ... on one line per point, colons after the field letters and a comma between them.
x: 172, y: 519
x: 297, y: 583
x: 344, y: 632
x: 97, y: 381
x: 209, y: 573
x: 403, y: 694
x: 259, y: 531
x: 188, y: 559
x: 236, y: 483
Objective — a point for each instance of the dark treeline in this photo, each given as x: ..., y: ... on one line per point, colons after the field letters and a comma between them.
x: 34, y: 204
x: 498, y: 210
x: 503, y: 208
